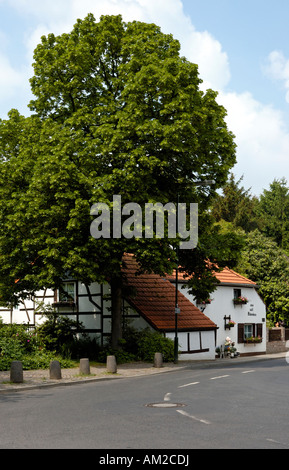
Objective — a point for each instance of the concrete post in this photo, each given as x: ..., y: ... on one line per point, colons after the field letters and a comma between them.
x: 16, y: 372
x: 55, y: 370
x: 84, y: 367
x: 111, y: 364
x: 158, y: 360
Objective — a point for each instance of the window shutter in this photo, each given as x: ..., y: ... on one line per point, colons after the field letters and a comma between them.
x: 240, y: 332
x: 260, y: 330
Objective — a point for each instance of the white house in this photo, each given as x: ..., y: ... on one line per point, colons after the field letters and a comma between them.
x: 152, y: 305
x: 236, y: 300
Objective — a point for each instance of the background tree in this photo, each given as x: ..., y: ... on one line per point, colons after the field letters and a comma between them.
x: 268, y: 265
x: 236, y: 205
x: 274, y: 212
x: 117, y: 110
x: 220, y: 245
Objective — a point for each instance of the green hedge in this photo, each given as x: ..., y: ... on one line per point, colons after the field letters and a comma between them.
x: 56, y: 339
x: 18, y: 344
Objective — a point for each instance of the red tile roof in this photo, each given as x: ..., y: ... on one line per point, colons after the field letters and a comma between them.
x: 154, y: 299
x: 226, y: 276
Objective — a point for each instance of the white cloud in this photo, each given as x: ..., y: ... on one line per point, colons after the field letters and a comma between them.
x: 261, y: 133
x: 13, y: 82
x: 277, y: 67
x: 199, y: 47
x: 262, y: 138
x: 59, y: 17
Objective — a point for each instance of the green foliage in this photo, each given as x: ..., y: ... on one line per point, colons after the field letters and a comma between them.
x: 263, y: 257
x: 152, y: 342
x: 41, y: 360
x: 117, y: 110
x: 17, y: 343
x: 268, y: 265
x: 236, y: 206
x: 219, y: 245
x: 274, y: 213
x: 57, y: 333
x: 143, y: 344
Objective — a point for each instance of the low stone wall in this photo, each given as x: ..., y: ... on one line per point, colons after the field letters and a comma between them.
x: 279, y: 345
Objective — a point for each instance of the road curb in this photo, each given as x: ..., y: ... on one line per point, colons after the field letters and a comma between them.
x: 185, y: 365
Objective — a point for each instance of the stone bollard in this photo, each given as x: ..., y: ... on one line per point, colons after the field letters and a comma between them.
x: 16, y: 372
x: 84, y: 367
x: 158, y: 361
x: 111, y: 364
x: 55, y: 370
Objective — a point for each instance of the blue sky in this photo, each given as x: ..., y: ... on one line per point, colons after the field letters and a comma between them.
x: 241, y: 47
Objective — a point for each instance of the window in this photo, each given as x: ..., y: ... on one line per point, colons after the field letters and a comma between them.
x: 248, y: 331
x: 237, y: 293
x: 67, y: 292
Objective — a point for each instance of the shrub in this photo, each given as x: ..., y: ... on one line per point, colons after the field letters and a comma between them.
x: 145, y: 343
x: 42, y: 359
x: 17, y: 337
x: 19, y: 344
x: 58, y: 333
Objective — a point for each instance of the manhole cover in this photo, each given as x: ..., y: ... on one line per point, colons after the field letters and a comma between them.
x: 165, y: 405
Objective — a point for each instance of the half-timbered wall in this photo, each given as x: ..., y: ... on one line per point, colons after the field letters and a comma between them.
x: 90, y: 306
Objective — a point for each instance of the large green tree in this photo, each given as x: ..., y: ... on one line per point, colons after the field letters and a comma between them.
x: 117, y: 111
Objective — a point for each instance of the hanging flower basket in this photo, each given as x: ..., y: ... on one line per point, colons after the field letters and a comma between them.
x: 230, y: 324
x: 240, y: 300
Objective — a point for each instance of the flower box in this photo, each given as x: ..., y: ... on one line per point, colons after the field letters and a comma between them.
x: 240, y: 301
x: 253, y: 340
x: 64, y: 304
x: 203, y: 302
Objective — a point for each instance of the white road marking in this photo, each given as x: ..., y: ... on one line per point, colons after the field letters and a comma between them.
x: 184, y: 413
x: 219, y: 377
x: 187, y: 385
x: 277, y: 442
x: 248, y: 371
x: 167, y: 397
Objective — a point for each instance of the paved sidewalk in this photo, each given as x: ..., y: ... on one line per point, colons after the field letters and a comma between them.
x: 40, y: 378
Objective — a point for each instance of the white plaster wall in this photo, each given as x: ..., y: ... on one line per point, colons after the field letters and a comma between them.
x: 208, y: 341
x: 222, y: 305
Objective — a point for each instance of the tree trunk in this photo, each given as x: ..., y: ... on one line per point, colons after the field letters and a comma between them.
x: 116, y: 311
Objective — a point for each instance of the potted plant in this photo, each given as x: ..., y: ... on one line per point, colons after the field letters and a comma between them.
x: 233, y: 351
x: 218, y: 351
x: 231, y: 323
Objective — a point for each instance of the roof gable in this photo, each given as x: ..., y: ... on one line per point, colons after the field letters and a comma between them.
x: 155, y: 300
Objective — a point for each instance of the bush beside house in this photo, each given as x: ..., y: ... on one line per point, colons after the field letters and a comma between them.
x: 56, y: 339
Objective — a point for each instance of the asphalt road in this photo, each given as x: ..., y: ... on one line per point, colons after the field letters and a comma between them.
x: 245, y: 406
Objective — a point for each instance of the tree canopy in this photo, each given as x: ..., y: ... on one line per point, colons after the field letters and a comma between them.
x: 264, y: 254
x: 117, y: 111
